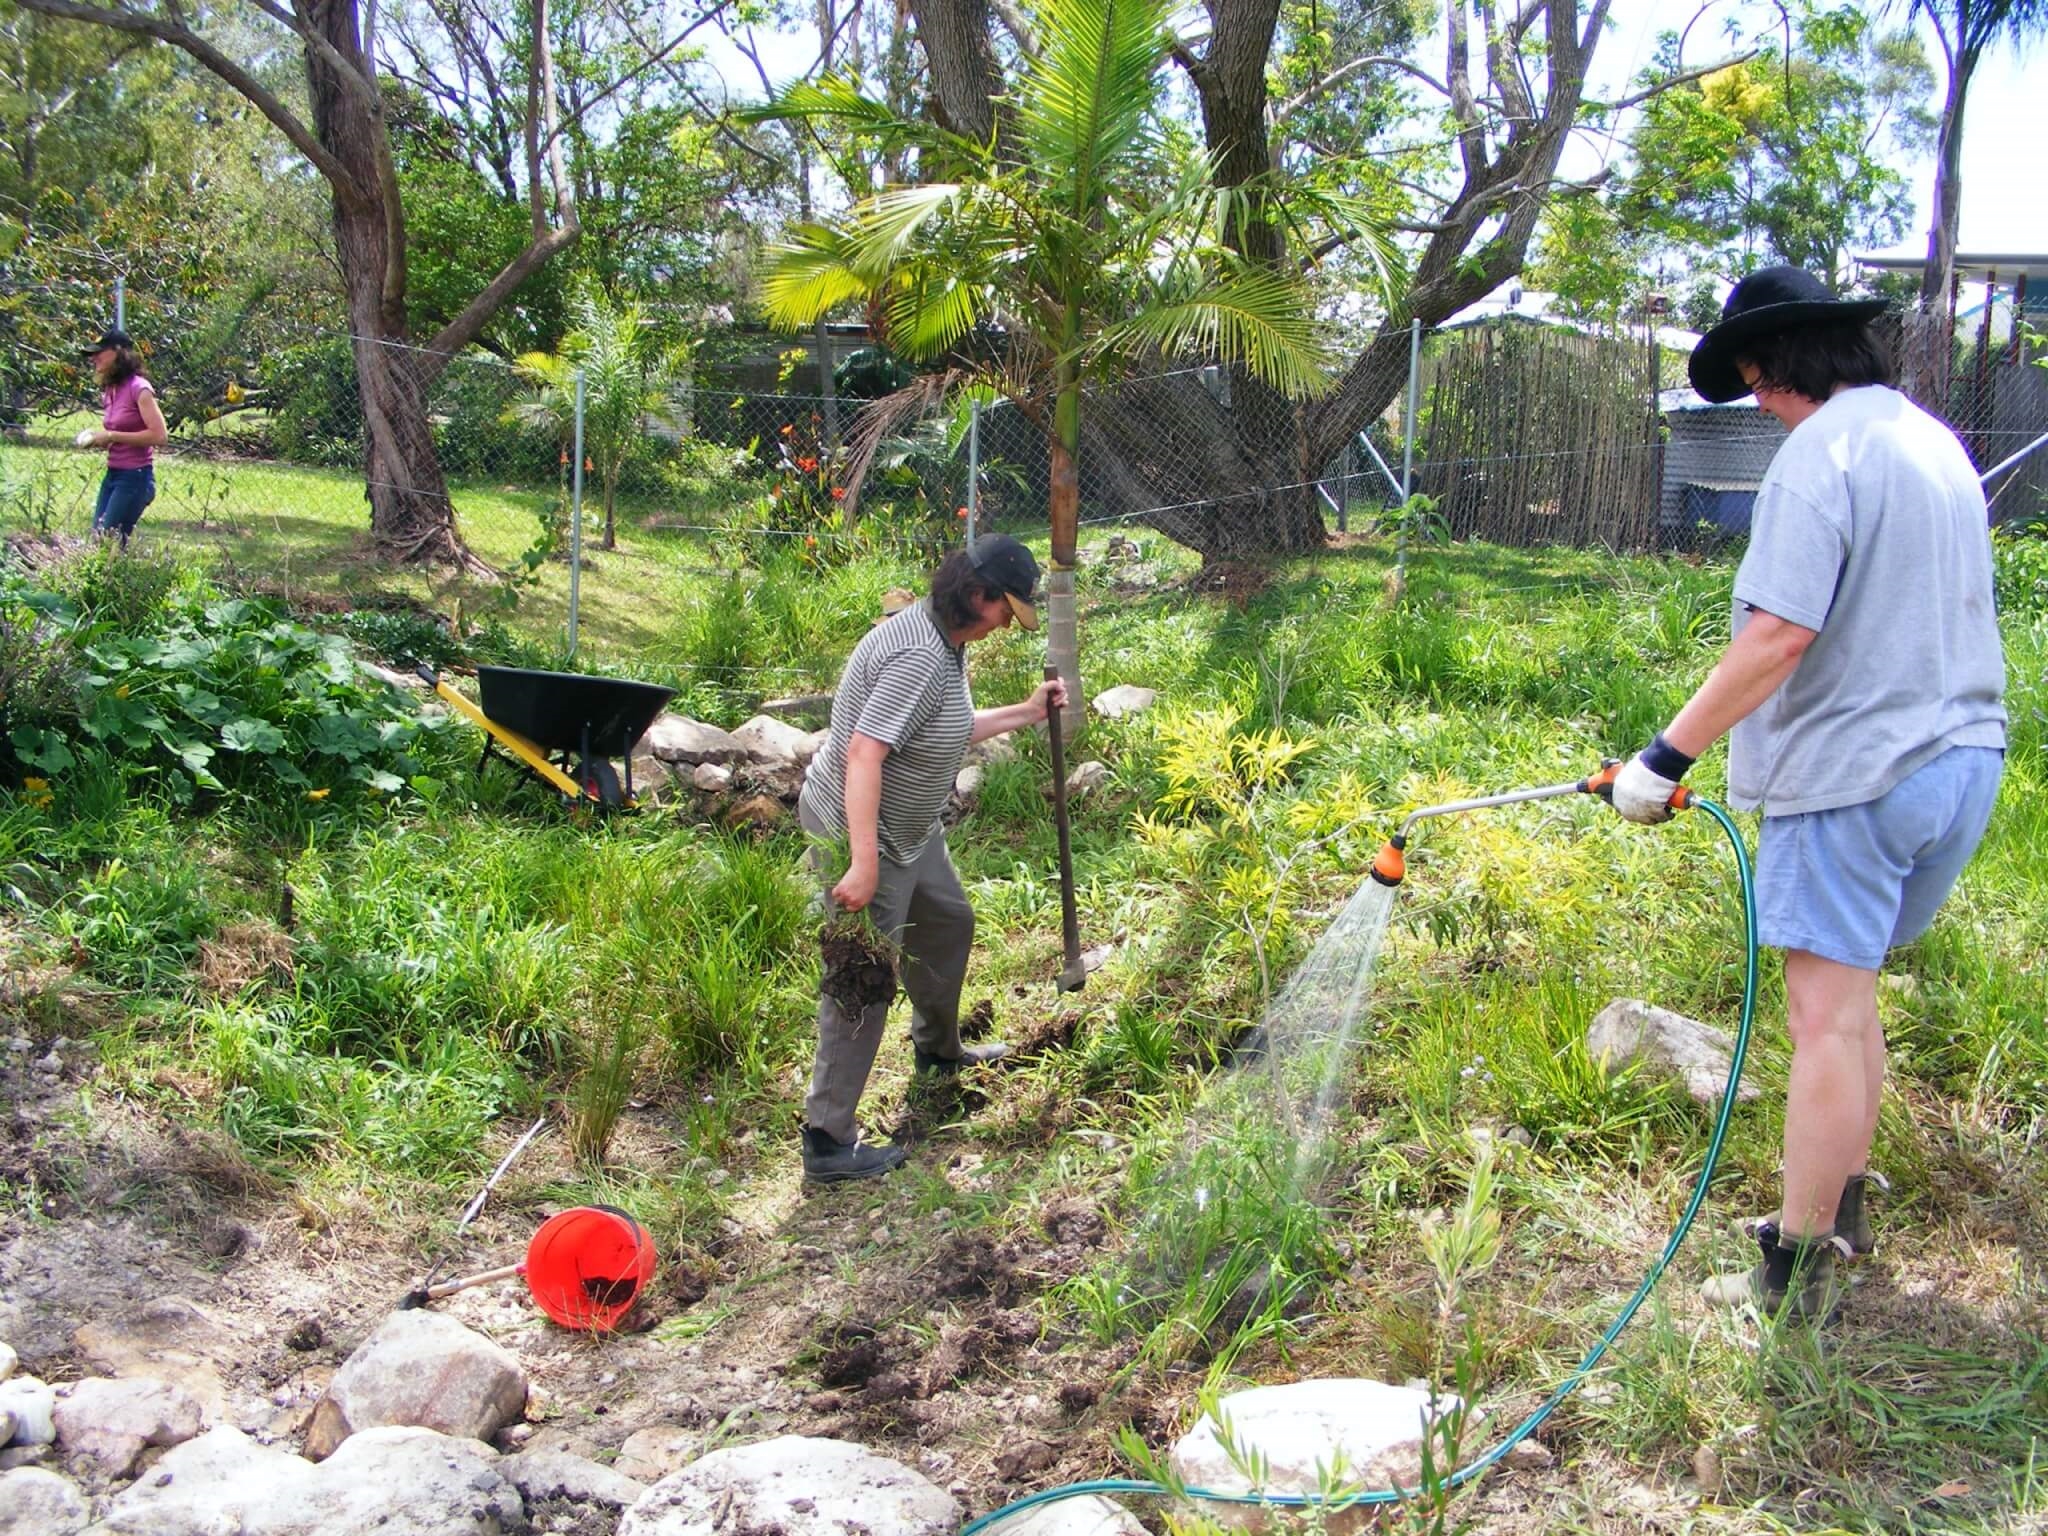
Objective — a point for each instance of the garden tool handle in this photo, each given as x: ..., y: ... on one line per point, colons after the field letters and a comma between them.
x: 1602, y: 784
x: 421, y: 1295
x: 1073, y: 974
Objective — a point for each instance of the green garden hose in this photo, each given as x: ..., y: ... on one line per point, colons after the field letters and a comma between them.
x: 1529, y: 1425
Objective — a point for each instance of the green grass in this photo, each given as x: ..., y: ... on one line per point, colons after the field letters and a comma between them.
x: 474, y: 957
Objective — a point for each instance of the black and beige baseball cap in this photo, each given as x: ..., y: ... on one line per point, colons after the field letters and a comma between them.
x: 1006, y: 565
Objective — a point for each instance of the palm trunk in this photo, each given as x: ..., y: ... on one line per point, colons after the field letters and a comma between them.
x: 1063, y: 633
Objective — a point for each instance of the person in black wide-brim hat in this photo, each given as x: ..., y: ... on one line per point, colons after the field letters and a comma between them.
x: 1863, y: 697
x: 902, y: 720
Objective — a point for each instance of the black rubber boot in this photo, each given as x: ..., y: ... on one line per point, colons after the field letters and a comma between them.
x: 970, y: 1056
x: 835, y: 1162
x: 1852, y: 1216
x: 1795, y: 1279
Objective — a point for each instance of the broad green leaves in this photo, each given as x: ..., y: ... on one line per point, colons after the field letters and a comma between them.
x: 224, y: 696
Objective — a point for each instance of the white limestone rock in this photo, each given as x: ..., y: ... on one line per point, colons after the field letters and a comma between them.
x: 1087, y: 776
x: 1629, y: 1029
x: 678, y: 739
x: 34, y: 1502
x: 32, y: 1405
x: 394, y: 1481
x: 221, y: 1482
x: 1124, y: 699
x: 773, y: 743
x: 967, y: 783
x: 711, y: 778
x: 558, y: 1474
x: 9, y: 1360
x: 167, y: 1339
x: 1089, y: 1515
x: 112, y: 1421
x: 420, y: 1368
x: 796, y: 1486
x: 1303, y: 1428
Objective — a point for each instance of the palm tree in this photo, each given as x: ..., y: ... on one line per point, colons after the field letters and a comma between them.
x: 627, y: 371
x: 1965, y: 29
x: 1072, y: 245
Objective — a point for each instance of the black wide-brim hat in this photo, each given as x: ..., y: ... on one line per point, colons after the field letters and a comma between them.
x: 1766, y: 303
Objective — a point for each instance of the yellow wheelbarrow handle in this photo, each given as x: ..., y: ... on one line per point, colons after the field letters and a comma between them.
x: 513, y: 742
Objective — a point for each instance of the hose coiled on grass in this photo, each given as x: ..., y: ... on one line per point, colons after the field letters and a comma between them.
x: 1522, y: 1431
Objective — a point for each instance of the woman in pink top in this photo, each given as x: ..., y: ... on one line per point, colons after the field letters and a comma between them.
x: 131, y: 430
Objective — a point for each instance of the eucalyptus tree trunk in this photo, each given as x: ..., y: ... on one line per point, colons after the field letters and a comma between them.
x: 1928, y: 342
x: 411, y: 517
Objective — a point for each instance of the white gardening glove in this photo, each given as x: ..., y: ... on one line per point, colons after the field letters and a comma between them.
x: 1644, y: 787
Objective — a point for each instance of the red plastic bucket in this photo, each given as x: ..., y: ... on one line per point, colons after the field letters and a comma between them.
x: 587, y: 1266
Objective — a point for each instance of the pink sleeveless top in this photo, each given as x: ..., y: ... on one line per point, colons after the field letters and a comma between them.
x: 124, y: 414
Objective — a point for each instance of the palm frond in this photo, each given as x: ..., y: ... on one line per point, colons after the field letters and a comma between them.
x: 833, y: 98
x: 809, y: 277
x: 931, y: 307
x: 1087, y: 98
x: 882, y: 232
x: 1247, y: 315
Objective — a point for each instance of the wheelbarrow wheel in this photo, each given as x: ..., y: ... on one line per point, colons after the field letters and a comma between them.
x: 600, y: 781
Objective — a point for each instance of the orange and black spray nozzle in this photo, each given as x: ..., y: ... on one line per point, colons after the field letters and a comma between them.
x: 1390, y: 864
x: 1602, y: 784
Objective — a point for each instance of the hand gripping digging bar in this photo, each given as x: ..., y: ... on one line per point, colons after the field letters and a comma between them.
x: 1388, y: 868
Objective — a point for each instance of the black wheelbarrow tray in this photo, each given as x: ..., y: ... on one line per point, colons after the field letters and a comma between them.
x: 565, y: 726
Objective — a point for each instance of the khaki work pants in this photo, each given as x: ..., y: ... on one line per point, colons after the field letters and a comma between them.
x: 920, y: 908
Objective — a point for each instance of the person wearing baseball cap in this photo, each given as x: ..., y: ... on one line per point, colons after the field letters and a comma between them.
x: 131, y: 430
x: 1862, y: 695
x: 902, y: 720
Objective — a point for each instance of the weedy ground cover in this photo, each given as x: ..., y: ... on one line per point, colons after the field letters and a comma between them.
x: 360, y: 993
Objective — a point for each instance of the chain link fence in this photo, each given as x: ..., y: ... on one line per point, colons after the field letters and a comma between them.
x: 1520, y: 433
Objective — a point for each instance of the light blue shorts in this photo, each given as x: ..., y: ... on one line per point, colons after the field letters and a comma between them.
x: 1851, y: 883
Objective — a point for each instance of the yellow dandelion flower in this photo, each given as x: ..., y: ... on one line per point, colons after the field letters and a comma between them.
x: 36, y: 793
x: 318, y: 794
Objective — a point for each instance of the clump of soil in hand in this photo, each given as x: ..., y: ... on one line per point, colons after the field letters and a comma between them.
x: 860, y: 965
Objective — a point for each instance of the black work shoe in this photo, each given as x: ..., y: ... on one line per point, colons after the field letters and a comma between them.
x: 1852, y: 1216
x: 970, y: 1056
x: 827, y: 1161
x: 1795, y: 1280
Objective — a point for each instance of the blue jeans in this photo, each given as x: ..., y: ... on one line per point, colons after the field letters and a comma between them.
x: 123, y: 495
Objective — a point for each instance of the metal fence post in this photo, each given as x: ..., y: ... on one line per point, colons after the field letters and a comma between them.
x: 1408, y: 448
x: 576, y: 520
x: 973, y: 466
x: 120, y: 303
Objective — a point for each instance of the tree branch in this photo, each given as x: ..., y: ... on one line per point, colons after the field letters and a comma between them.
x: 1671, y: 82
x: 281, y: 117
x: 1348, y: 70
x: 1017, y: 25
x: 541, y: 112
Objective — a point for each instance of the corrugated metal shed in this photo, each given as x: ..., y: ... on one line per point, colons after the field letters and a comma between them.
x: 1714, y: 459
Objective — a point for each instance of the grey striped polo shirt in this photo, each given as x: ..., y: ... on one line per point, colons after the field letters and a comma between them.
x: 904, y: 685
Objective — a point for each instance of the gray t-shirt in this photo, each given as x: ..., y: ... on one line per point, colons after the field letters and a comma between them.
x: 1870, y: 528
x: 905, y: 685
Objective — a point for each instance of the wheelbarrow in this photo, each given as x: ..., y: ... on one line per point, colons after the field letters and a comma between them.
x: 565, y: 726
